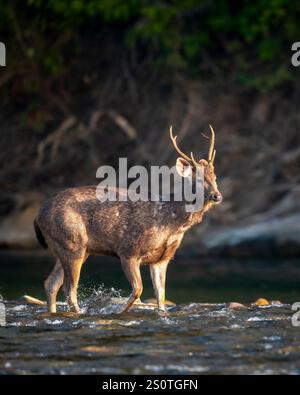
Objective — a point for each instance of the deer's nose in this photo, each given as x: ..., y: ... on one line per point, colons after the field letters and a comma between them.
x: 216, y: 197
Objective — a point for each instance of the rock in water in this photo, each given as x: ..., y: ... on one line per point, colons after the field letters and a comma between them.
x: 236, y: 306
x: 269, y: 237
x: 261, y: 302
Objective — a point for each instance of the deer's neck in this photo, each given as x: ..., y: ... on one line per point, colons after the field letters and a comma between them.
x: 197, y: 217
x: 193, y: 218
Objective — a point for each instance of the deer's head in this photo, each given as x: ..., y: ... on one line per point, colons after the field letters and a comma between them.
x: 187, y: 165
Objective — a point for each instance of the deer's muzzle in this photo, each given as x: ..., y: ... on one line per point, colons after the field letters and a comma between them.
x: 216, y: 197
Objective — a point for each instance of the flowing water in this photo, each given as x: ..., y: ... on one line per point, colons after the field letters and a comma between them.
x: 200, y: 334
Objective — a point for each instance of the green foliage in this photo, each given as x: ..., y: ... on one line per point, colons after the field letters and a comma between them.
x: 251, y: 39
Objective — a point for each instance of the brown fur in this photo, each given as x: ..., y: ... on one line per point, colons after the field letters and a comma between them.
x: 75, y: 224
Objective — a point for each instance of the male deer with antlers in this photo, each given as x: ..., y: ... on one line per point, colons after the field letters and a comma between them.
x: 75, y: 224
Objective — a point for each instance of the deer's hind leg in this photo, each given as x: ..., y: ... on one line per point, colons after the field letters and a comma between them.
x: 53, y: 284
x: 72, y: 268
x: 131, y: 268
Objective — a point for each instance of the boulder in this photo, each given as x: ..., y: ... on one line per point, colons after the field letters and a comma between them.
x: 16, y: 231
x: 273, y: 237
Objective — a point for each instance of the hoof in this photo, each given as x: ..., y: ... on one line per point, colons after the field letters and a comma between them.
x: 153, y: 301
x: 162, y: 313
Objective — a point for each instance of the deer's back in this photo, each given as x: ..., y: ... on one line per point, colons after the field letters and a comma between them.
x: 75, y: 219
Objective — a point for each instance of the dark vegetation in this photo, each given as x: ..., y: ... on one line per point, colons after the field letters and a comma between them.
x: 90, y: 81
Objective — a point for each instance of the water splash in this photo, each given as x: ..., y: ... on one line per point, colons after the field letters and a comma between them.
x: 101, y: 300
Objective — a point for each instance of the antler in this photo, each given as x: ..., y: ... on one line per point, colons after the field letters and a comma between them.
x: 211, y: 152
x: 195, y: 163
x: 176, y: 146
x: 213, y: 157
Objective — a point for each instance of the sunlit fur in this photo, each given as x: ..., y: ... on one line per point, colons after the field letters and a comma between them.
x: 75, y: 224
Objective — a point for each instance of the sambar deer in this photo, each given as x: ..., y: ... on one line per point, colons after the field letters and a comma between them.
x: 75, y: 224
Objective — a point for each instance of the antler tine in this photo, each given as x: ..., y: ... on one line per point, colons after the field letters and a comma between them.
x: 195, y: 163
x: 212, y: 145
x: 176, y: 146
x: 204, y: 135
x: 213, y: 157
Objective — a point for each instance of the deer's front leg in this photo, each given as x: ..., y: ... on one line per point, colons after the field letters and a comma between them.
x: 53, y: 284
x: 158, y: 276
x: 131, y: 268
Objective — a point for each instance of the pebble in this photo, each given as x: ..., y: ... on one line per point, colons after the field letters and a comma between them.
x: 276, y: 302
x: 153, y: 301
x: 236, y: 306
x: 261, y: 302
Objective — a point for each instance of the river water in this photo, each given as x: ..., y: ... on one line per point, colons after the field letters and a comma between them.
x: 200, y: 334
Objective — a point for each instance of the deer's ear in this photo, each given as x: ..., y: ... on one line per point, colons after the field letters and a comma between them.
x: 203, y: 162
x: 184, y: 169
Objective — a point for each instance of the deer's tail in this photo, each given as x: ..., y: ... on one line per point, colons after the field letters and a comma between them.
x: 39, y: 235
x: 31, y: 300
